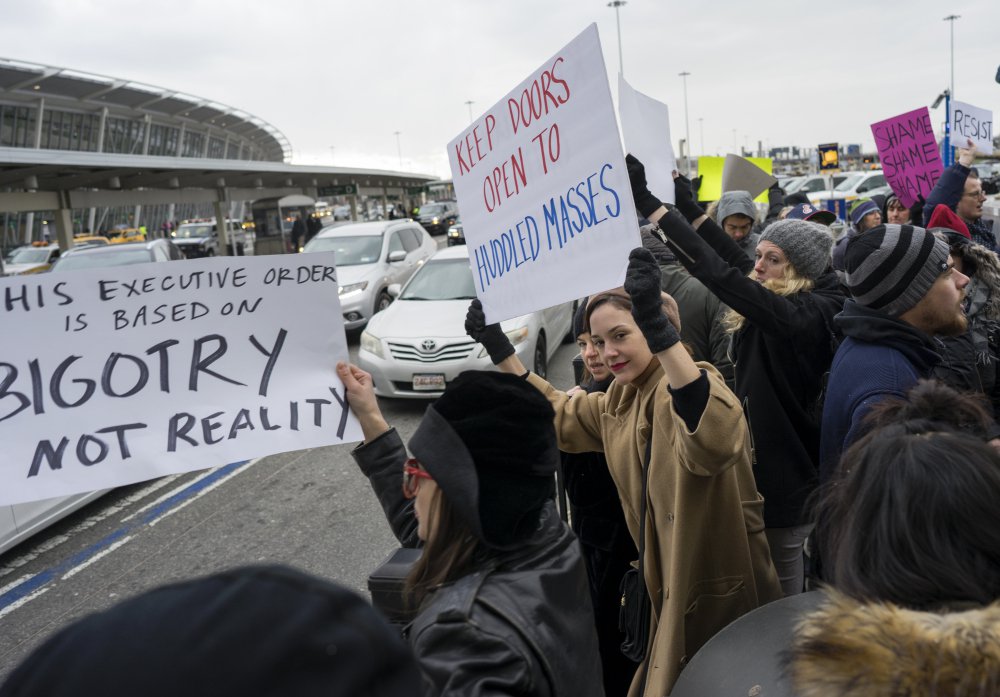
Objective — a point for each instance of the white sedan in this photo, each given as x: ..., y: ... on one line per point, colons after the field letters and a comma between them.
x: 417, y: 345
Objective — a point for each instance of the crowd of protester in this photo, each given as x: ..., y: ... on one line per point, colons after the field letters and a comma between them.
x: 763, y: 413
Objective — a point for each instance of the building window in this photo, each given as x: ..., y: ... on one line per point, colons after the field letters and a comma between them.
x: 123, y: 136
x: 216, y: 148
x: 17, y: 126
x: 194, y: 144
x: 163, y: 140
x: 233, y: 150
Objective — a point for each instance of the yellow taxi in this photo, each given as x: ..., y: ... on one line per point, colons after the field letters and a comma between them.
x: 126, y: 235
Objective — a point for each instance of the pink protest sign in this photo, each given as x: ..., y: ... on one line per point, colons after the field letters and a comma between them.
x: 909, y: 153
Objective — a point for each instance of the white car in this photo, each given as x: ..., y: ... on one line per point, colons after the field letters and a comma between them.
x: 22, y: 520
x: 811, y: 183
x: 32, y: 258
x: 856, y: 185
x: 417, y: 345
x: 370, y: 257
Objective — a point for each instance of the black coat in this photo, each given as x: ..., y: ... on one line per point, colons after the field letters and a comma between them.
x: 521, y: 625
x: 781, y: 354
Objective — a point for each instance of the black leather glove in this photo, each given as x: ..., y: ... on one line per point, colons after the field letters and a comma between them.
x: 490, y: 336
x: 684, y: 199
x: 645, y: 202
x: 642, y: 283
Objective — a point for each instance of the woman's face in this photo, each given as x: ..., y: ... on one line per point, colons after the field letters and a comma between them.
x: 621, y: 345
x: 592, y: 357
x: 771, y: 262
x: 897, y: 213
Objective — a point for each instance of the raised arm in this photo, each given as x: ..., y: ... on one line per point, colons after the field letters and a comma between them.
x: 951, y: 185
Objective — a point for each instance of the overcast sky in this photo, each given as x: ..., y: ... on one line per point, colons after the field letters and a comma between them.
x: 340, y: 78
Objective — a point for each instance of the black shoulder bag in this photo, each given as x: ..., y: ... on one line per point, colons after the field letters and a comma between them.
x: 636, y: 609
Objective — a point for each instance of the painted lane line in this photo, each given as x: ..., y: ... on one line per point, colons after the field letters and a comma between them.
x: 192, y: 499
x: 22, y: 592
x: 100, y: 555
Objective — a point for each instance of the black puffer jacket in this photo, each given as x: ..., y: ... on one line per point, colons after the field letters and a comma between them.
x: 522, y: 625
x: 781, y: 354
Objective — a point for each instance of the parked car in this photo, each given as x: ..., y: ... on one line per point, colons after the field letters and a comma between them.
x: 417, y: 345
x: 438, y: 216
x: 22, y: 520
x: 370, y: 257
x: 117, y: 255
x: 32, y: 258
x: 89, y: 240
x: 456, y: 233
x: 857, y: 185
x: 123, y: 235
x: 815, y: 182
x: 200, y: 238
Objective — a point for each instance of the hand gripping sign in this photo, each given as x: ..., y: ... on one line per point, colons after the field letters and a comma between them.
x: 543, y: 190
x: 113, y: 376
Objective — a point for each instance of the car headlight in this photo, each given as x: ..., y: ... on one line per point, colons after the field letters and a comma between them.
x: 352, y: 288
x: 435, y: 221
x: 516, y: 336
x: 453, y: 232
x: 371, y: 343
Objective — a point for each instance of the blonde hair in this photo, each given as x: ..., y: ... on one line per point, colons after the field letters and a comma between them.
x: 790, y: 283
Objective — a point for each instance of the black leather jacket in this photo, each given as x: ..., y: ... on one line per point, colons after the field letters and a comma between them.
x: 522, y: 626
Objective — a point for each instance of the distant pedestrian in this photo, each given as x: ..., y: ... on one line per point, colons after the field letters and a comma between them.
x: 298, y: 233
x: 961, y: 189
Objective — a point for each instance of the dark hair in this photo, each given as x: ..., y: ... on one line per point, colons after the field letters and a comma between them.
x: 910, y: 516
x: 453, y: 551
x: 618, y: 299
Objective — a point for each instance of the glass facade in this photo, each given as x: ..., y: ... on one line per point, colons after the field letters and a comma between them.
x: 163, y: 140
x: 66, y: 130
x: 216, y: 148
x: 17, y: 126
x: 124, y: 135
x: 194, y: 144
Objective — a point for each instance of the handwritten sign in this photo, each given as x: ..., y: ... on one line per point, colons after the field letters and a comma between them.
x: 971, y: 123
x: 541, y: 182
x: 909, y: 154
x: 646, y: 132
x: 114, y: 376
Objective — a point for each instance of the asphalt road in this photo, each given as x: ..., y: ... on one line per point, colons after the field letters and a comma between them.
x: 311, y: 509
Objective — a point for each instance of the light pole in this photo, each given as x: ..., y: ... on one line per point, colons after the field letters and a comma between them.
x: 949, y: 151
x: 469, y: 104
x: 332, y: 149
x: 399, y: 149
x: 616, y: 4
x: 952, y: 18
x: 687, y: 131
x: 701, y: 127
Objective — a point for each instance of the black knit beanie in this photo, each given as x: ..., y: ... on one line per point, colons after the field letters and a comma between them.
x: 489, y: 442
x: 262, y: 631
x: 891, y: 267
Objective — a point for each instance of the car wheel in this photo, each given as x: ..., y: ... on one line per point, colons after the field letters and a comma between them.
x: 383, y: 301
x: 210, y: 253
x: 541, y: 366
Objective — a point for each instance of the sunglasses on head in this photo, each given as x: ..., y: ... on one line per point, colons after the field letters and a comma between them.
x: 413, y: 472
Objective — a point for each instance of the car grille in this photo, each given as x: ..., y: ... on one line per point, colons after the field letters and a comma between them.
x: 442, y: 351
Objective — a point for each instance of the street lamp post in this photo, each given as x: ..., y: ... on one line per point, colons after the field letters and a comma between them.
x: 469, y: 104
x: 332, y: 149
x: 616, y: 4
x: 687, y: 131
x: 399, y: 149
x: 701, y: 127
x: 949, y: 151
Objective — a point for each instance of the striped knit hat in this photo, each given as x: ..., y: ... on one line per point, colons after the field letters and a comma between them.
x: 891, y: 267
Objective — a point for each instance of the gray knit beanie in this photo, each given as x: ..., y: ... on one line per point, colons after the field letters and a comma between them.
x: 891, y: 267
x: 806, y: 245
x: 736, y: 202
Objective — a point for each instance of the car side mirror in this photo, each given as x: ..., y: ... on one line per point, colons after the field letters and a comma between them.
x: 393, y: 290
x: 397, y: 256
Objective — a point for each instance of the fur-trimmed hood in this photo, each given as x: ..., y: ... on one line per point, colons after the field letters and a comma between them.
x: 847, y: 648
x: 984, y: 286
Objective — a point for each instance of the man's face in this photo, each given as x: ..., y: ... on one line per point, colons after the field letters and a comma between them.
x: 970, y: 206
x: 737, y: 226
x: 940, y: 312
x: 873, y: 219
x: 898, y: 213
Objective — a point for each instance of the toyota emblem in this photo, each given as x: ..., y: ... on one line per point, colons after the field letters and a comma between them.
x: 428, y: 345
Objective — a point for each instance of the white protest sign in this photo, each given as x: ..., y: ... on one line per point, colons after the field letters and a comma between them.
x: 543, y: 189
x: 646, y: 130
x: 971, y: 122
x: 113, y: 376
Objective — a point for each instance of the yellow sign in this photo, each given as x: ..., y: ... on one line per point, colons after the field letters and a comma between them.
x: 710, y: 171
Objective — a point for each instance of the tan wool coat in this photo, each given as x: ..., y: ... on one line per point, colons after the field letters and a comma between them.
x: 706, y: 560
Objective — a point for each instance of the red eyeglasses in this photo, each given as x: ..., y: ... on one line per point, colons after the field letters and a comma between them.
x: 412, y: 473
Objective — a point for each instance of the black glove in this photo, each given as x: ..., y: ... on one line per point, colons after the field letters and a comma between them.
x: 645, y: 202
x: 642, y: 283
x: 490, y: 336
x: 684, y: 199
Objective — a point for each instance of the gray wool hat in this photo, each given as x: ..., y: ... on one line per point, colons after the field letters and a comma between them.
x: 736, y: 202
x: 807, y: 245
x: 891, y: 267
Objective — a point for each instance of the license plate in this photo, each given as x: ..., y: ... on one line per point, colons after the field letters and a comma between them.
x: 429, y: 382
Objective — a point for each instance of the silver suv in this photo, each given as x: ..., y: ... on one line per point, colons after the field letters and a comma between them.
x: 201, y: 239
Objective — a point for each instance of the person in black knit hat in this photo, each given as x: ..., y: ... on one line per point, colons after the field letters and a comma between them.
x: 260, y: 631
x: 500, y: 588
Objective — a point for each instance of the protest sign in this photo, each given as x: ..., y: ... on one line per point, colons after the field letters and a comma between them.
x: 114, y: 376
x: 646, y: 131
x: 739, y: 174
x: 710, y: 170
x: 541, y: 182
x: 909, y: 154
x: 971, y: 123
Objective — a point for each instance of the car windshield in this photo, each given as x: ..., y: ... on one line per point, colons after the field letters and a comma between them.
x: 449, y: 279
x: 190, y: 231
x: 793, y: 184
x: 119, y: 257
x: 433, y: 209
x: 350, y: 251
x: 28, y: 255
x: 849, y: 183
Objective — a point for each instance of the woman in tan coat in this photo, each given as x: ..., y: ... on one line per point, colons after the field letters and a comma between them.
x: 706, y: 559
